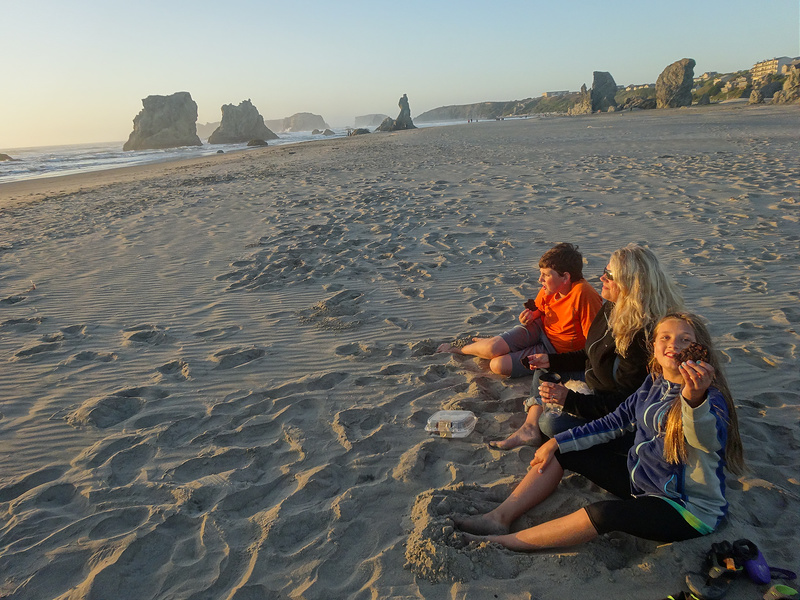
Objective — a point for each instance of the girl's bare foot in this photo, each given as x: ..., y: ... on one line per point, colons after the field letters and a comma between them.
x: 527, y: 435
x: 480, y: 525
x: 468, y: 538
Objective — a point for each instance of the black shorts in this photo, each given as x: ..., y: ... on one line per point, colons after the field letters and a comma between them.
x: 648, y: 517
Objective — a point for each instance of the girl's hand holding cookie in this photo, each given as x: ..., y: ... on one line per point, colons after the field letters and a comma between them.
x: 697, y: 377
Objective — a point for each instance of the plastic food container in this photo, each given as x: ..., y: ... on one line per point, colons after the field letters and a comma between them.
x: 452, y: 423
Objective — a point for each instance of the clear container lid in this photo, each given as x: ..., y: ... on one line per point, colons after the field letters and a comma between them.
x: 452, y: 423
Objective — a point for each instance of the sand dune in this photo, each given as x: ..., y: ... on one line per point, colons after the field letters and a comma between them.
x: 218, y: 372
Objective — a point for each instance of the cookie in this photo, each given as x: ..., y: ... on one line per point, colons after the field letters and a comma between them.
x: 694, y: 352
x: 530, y: 304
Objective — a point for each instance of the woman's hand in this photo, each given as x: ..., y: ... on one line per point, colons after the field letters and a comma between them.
x: 538, y: 361
x: 544, y: 455
x: 697, y: 377
x: 552, y: 393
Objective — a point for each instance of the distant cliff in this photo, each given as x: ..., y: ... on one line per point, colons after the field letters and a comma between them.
x: 298, y: 122
x: 205, y: 130
x: 498, y: 110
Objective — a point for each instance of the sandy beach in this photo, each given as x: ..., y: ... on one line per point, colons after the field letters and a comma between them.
x: 217, y: 373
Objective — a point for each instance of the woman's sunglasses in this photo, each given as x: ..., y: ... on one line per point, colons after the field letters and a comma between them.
x: 608, y: 274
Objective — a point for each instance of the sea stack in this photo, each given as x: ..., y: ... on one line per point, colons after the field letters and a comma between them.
x: 403, y: 120
x: 604, y: 88
x: 241, y: 124
x: 165, y: 122
x: 674, y: 85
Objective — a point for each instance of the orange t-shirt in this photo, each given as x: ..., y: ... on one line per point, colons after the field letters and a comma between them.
x: 567, y: 318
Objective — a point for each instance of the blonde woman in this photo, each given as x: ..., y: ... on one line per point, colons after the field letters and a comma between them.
x: 638, y: 293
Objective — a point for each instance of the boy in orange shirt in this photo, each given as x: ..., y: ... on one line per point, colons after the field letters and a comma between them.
x: 556, y: 321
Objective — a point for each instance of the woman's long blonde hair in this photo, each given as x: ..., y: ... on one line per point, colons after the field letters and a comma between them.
x: 674, y: 440
x: 646, y: 294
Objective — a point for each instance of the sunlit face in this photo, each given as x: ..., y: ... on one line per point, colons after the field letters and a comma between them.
x: 610, y: 289
x: 553, y: 282
x: 672, y: 336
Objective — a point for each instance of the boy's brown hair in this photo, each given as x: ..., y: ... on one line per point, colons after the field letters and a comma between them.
x: 563, y: 258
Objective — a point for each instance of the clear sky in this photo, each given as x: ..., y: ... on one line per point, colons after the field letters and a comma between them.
x: 76, y: 71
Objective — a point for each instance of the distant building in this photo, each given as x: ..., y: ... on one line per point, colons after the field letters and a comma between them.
x: 737, y: 83
x: 793, y: 64
x: 639, y: 86
x: 555, y: 94
x: 705, y: 76
x: 773, y: 66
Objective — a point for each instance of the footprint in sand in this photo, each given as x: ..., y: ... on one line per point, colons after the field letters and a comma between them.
x: 152, y: 335
x: 354, y: 425
x: 110, y: 410
x: 237, y: 356
x: 35, y: 351
x: 87, y: 356
x: 751, y: 358
x: 176, y: 369
x: 14, y: 299
x: 127, y: 464
x: 326, y: 382
x: 22, y: 325
x: 30, y: 481
x: 121, y: 522
x: 398, y: 322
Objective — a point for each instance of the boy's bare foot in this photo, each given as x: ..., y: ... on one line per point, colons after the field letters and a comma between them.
x: 449, y: 348
x: 480, y: 525
x: 527, y: 435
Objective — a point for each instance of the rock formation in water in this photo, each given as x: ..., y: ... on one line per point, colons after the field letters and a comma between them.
x: 240, y: 124
x: 403, y: 120
x: 165, y: 122
x: 604, y: 88
x: 257, y: 142
x: 674, y: 85
x: 359, y: 131
x: 4, y: 157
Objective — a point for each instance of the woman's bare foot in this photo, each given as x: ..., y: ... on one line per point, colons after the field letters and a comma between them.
x: 480, y: 525
x: 449, y: 348
x: 527, y: 435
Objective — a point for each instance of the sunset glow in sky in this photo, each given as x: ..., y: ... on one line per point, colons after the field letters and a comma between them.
x: 77, y: 71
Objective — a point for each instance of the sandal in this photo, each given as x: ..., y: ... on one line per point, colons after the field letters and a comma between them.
x: 755, y: 565
x: 780, y: 592
x: 704, y: 587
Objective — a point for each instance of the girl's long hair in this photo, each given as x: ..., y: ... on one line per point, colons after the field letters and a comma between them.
x: 674, y: 440
x: 646, y: 294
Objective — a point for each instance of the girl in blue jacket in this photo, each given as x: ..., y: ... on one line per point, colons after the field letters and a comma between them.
x: 672, y: 484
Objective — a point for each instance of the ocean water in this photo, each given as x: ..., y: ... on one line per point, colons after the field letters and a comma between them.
x: 52, y: 161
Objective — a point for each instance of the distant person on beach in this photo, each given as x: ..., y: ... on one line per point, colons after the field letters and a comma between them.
x: 637, y: 294
x: 558, y: 320
x: 671, y: 485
